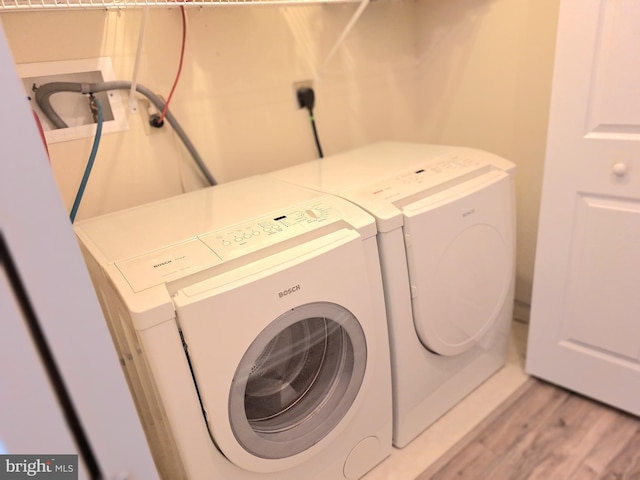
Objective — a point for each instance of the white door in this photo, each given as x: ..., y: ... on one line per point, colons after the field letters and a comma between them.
x: 31, y: 419
x: 46, y: 293
x: 585, y: 324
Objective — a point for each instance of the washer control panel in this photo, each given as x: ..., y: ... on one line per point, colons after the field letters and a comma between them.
x: 243, y: 238
x: 211, y: 249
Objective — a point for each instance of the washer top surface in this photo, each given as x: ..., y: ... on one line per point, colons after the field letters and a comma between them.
x: 384, y: 177
x: 146, y: 228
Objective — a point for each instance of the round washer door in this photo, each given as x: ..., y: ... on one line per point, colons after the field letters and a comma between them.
x: 297, y: 380
x: 460, y: 256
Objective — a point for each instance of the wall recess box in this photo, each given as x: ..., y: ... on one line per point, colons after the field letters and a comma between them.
x: 72, y: 107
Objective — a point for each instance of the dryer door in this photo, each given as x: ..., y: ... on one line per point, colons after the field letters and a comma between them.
x: 460, y: 254
x: 277, y: 351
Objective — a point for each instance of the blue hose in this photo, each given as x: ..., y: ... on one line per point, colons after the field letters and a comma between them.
x: 92, y: 157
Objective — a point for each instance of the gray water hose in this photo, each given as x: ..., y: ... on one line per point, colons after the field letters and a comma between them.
x: 44, y: 92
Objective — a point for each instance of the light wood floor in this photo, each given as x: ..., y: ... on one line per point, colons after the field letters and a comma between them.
x: 546, y: 433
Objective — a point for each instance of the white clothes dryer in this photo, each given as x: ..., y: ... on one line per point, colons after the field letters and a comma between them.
x: 446, y: 236
x: 250, y: 322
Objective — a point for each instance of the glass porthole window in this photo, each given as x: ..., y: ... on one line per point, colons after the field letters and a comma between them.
x: 297, y: 380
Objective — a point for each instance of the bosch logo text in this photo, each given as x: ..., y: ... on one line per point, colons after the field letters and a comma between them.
x: 289, y: 291
x: 167, y: 262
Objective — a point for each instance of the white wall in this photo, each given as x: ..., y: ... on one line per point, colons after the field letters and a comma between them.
x: 485, y: 82
x: 469, y: 72
x: 235, y: 98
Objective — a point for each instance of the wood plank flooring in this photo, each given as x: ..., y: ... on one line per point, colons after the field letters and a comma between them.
x: 546, y: 433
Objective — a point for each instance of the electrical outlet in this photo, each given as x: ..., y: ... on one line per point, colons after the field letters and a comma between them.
x: 301, y: 84
x: 73, y: 107
x: 146, y: 110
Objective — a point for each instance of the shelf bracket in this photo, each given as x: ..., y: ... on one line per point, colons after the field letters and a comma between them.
x: 354, y: 18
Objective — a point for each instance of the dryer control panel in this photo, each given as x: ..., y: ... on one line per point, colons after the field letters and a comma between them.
x: 440, y: 173
x: 386, y: 198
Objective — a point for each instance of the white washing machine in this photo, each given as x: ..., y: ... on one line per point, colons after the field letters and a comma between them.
x: 446, y: 236
x: 250, y: 322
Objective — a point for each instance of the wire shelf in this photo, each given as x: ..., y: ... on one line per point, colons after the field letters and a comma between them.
x: 33, y: 5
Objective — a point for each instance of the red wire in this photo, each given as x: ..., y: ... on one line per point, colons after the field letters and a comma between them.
x: 175, y: 82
